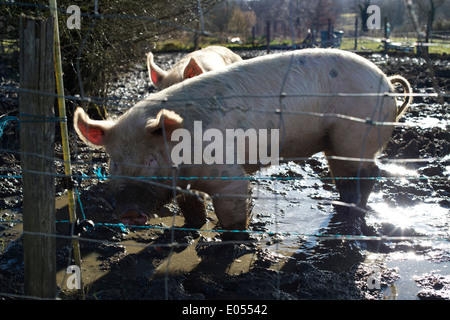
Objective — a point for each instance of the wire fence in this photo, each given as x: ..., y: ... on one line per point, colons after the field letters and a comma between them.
x: 94, y: 172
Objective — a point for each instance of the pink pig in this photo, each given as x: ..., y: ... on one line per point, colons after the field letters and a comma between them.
x: 193, y: 64
x: 312, y: 96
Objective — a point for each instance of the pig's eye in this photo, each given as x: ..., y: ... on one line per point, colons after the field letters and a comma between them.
x: 157, y: 132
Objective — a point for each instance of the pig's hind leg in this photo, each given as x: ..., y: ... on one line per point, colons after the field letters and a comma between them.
x: 350, y: 158
x: 350, y: 149
x: 354, y: 187
x: 354, y: 190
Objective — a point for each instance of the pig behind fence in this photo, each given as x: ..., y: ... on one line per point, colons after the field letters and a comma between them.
x: 193, y: 64
x: 318, y: 99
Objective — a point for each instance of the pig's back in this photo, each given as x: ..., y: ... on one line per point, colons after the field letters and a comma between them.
x: 253, y: 92
x: 307, y: 71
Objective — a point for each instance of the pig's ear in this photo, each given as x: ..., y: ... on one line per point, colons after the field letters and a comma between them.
x: 90, y: 131
x: 155, y: 73
x: 192, y: 69
x: 167, y: 119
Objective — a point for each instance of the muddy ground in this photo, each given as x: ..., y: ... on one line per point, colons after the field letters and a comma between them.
x: 284, y: 258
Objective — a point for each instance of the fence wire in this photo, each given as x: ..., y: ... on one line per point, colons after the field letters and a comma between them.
x: 96, y: 174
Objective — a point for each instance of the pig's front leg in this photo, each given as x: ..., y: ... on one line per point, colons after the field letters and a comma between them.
x: 231, y: 201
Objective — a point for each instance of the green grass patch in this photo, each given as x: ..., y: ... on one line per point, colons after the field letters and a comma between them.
x: 440, y: 47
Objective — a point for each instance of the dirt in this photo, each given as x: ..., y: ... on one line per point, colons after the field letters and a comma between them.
x: 287, y: 255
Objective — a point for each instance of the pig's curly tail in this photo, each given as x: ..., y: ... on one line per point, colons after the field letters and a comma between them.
x: 406, y: 89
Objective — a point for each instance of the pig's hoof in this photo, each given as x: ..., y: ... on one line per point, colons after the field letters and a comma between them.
x: 350, y: 221
x: 133, y: 217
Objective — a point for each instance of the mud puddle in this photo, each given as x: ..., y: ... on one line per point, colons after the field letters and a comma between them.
x: 294, y: 199
x: 293, y: 210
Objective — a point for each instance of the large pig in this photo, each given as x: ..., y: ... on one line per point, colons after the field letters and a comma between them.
x: 193, y: 64
x: 319, y: 99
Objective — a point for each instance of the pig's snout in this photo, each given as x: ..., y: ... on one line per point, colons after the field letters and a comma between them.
x: 133, y: 216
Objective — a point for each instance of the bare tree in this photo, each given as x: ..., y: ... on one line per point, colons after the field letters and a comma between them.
x: 114, y: 37
x: 241, y: 22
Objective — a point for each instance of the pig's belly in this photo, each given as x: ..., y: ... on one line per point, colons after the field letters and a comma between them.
x: 302, y: 147
x: 303, y: 136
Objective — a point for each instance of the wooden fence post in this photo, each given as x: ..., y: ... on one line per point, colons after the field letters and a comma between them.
x: 37, y: 130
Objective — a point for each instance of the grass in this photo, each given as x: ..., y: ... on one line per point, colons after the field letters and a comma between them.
x: 349, y: 44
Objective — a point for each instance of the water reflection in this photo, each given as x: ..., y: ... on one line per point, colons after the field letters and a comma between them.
x: 397, y: 170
